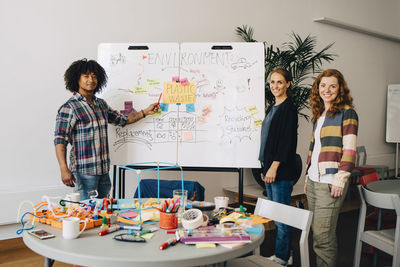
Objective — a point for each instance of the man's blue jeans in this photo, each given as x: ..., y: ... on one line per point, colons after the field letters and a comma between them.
x: 86, y: 183
x: 281, y: 191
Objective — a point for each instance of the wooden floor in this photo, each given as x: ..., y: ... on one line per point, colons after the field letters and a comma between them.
x: 14, y: 253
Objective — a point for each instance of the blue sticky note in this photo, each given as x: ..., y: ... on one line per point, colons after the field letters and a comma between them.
x: 189, y: 107
x: 164, y: 107
x: 252, y: 230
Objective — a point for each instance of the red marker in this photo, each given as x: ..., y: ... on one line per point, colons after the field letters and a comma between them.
x: 170, y: 242
x: 109, y: 230
x: 159, y: 98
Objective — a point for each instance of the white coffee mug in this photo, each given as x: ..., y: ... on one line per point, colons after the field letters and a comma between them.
x: 70, y: 229
x: 221, y: 202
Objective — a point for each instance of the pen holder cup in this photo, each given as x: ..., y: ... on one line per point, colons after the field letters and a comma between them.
x: 168, y: 220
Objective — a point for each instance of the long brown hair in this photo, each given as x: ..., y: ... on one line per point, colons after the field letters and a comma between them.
x: 343, y: 98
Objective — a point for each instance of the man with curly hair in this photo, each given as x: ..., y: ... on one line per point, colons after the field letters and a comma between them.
x: 82, y: 122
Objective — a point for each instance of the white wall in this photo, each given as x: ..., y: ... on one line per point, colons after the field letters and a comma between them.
x: 40, y: 39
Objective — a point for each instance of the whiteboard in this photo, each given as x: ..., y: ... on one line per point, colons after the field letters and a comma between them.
x: 393, y: 114
x: 222, y: 128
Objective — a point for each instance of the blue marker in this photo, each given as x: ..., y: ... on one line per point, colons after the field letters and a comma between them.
x: 131, y: 227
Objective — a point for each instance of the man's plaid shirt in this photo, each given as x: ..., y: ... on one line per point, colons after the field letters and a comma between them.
x: 84, y: 126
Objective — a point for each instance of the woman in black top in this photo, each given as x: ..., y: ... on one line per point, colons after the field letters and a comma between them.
x: 278, y: 154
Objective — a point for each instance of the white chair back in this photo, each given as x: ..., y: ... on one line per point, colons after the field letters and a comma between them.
x: 295, y: 217
x: 387, y: 240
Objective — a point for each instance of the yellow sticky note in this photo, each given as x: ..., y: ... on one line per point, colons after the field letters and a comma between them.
x: 148, y: 236
x: 157, y: 114
x: 140, y: 90
x: 257, y: 123
x: 253, y: 110
x: 174, y: 92
x: 205, y: 245
x: 153, y: 82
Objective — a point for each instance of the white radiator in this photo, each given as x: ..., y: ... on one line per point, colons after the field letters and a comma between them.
x: 12, y: 196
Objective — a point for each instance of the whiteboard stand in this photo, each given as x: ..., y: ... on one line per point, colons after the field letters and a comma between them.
x: 396, y: 164
x: 121, y: 178
x: 392, y: 117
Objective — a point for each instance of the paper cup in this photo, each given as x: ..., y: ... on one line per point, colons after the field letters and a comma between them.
x: 221, y: 202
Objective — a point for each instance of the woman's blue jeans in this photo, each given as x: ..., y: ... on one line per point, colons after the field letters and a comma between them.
x: 86, y: 183
x: 281, y: 191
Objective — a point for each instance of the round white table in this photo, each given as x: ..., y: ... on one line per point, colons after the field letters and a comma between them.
x: 385, y: 186
x: 89, y: 249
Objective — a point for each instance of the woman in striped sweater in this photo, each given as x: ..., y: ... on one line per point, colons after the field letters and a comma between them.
x: 330, y: 160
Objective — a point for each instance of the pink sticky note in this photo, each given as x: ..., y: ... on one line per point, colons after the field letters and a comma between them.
x: 188, y: 136
x: 184, y: 81
x: 130, y: 214
x: 175, y: 79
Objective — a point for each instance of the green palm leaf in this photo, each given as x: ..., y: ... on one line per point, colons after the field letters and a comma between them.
x: 297, y: 56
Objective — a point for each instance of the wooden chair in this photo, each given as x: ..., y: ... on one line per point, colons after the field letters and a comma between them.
x: 387, y: 240
x: 295, y: 217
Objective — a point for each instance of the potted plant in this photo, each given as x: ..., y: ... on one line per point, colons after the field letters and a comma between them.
x: 299, y: 57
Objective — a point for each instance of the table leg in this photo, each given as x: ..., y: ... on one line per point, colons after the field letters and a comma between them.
x: 48, y: 262
x: 240, y: 189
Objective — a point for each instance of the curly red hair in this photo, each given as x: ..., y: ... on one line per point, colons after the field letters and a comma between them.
x: 343, y: 98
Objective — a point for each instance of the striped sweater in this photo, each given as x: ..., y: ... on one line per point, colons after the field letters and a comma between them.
x: 338, y: 146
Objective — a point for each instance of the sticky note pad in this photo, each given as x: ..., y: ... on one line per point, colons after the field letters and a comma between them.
x: 130, y: 214
x: 164, y: 107
x: 157, y: 114
x: 205, y: 245
x: 251, y: 230
x: 188, y: 136
x: 253, y: 110
x: 153, y: 82
x: 257, y: 123
x: 140, y: 90
x: 189, y: 107
x: 148, y: 236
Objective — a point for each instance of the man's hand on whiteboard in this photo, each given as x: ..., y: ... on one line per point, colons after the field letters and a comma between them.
x: 134, y: 117
x: 151, y: 109
x: 68, y: 178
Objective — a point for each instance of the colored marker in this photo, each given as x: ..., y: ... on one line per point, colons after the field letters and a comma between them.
x: 167, y: 244
x: 111, y: 229
x: 131, y: 227
x: 144, y: 232
x: 159, y: 98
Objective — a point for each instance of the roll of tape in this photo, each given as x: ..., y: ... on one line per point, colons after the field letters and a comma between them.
x: 192, y: 219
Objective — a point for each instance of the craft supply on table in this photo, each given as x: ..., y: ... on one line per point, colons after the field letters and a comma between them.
x: 211, y: 234
x: 169, y: 242
x: 205, y: 207
x: 168, y: 220
x: 192, y: 219
x: 111, y: 229
x: 221, y: 202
